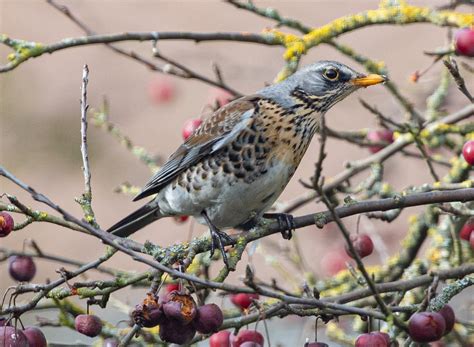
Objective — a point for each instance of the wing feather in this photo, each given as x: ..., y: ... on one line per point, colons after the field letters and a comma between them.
x: 213, y: 134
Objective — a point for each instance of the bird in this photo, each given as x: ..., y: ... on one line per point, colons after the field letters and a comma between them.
x: 236, y: 164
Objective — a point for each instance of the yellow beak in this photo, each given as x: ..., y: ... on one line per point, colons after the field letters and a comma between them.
x: 369, y: 80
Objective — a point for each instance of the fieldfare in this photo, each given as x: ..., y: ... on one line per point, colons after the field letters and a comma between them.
x: 231, y: 170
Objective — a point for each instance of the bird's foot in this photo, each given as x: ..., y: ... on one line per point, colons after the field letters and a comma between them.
x: 218, y: 239
x: 286, y: 222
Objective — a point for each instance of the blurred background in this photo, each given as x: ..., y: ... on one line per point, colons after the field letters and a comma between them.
x: 40, y: 121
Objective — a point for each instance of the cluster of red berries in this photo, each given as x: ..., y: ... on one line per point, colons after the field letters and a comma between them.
x: 12, y: 336
x: 431, y: 326
x: 245, y: 338
x: 178, y: 316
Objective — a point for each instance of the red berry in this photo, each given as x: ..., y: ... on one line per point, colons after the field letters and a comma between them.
x: 220, y: 339
x: 171, y: 287
x: 12, y: 337
x: 35, y: 337
x: 471, y: 240
x: 110, y: 342
x: 374, y: 339
x: 379, y: 135
x: 209, y: 318
x: 174, y: 332
x: 6, y: 224
x: 246, y: 336
x: 250, y: 344
x: 190, y: 126
x: 88, y: 325
x: 315, y: 344
x: 334, y: 261
x: 449, y: 317
x: 221, y: 96
x: 243, y: 300
x: 385, y: 336
x: 468, y: 152
x: 363, y: 245
x: 180, y: 219
x: 426, y: 326
x: 464, y: 41
x: 467, y: 230
x: 21, y: 268
x: 161, y: 90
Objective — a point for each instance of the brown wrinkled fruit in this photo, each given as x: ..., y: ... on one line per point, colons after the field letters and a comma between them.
x: 149, y: 313
x: 209, y: 318
x: 180, y: 307
x: 174, y: 332
x: 88, y: 324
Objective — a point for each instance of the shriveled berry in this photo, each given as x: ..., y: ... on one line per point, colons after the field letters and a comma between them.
x: 246, y: 336
x: 363, y: 245
x: 174, y: 332
x: 161, y: 90
x: 372, y: 340
x: 220, y: 339
x: 21, y: 268
x: 243, y: 300
x: 449, y: 318
x: 426, y: 326
x: 12, y: 337
x: 88, y: 324
x: 35, y: 337
x: 379, y: 135
x: 190, y: 126
x: 464, y: 42
x: 468, y: 152
x: 220, y: 96
x: 209, y: 318
x: 467, y: 230
x: 180, y: 307
x: 6, y: 224
x: 149, y: 313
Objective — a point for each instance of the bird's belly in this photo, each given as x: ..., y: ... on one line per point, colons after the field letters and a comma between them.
x: 228, y: 202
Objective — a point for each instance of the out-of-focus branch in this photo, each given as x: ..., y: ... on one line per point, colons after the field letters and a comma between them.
x: 182, y: 71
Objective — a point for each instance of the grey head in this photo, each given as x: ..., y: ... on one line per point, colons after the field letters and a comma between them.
x: 319, y: 85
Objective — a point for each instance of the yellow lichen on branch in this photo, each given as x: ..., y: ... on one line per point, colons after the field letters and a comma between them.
x: 402, y: 14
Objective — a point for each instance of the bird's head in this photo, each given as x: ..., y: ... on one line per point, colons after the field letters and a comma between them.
x: 324, y: 83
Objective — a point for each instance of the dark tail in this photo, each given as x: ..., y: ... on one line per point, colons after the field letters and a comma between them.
x: 135, y: 221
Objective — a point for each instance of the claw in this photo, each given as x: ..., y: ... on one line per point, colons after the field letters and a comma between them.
x: 286, y: 222
x: 218, y: 238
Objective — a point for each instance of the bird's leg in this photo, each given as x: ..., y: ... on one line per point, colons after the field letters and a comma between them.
x: 286, y: 222
x: 218, y: 237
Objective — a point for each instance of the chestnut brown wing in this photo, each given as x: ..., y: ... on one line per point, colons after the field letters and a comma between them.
x: 214, y: 133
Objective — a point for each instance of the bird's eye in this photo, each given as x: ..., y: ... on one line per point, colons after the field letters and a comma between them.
x: 331, y: 74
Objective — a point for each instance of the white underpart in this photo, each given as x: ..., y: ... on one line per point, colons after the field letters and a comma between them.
x: 227, y: 206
